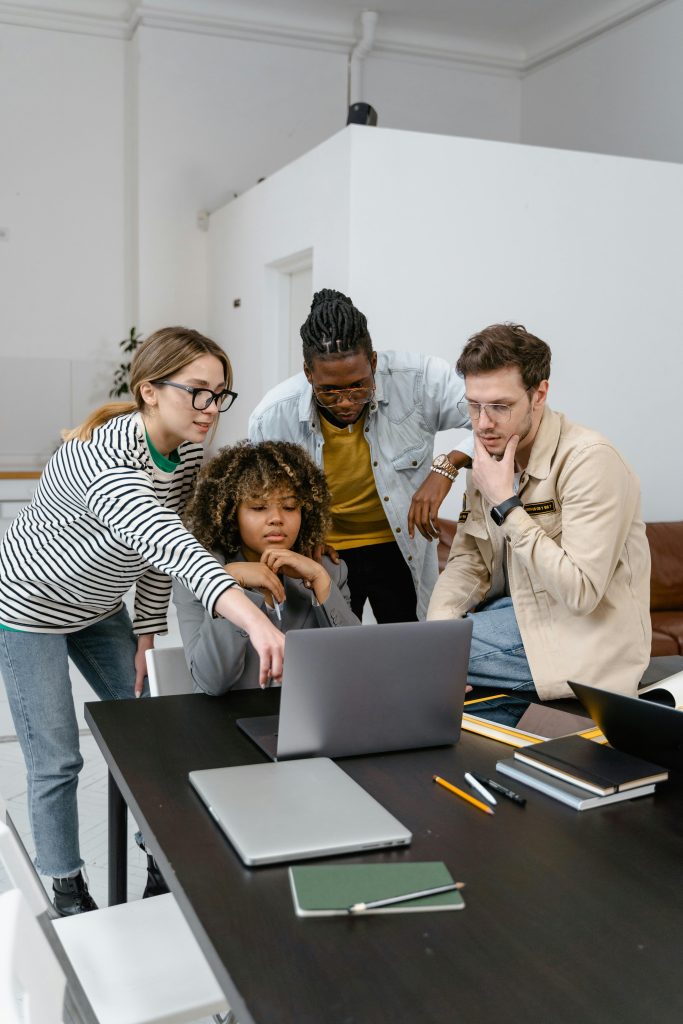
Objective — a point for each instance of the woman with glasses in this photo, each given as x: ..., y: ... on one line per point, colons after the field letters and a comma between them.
x: 104, y: 518
x: 369, y: 420
x: 261, y: 509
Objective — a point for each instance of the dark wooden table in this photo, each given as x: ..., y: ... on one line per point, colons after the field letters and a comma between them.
x: 570, y: 916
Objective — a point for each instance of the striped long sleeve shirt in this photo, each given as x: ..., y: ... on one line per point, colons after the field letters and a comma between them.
x: 104, y: 518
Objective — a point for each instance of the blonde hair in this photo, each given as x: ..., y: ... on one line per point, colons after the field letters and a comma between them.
x: 164, y: 353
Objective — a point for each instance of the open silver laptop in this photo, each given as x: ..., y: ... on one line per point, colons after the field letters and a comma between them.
x: 295, y: 810
x: 367, y: 690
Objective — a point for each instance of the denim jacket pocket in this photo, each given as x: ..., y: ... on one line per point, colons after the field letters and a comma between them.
x: 412, y: 458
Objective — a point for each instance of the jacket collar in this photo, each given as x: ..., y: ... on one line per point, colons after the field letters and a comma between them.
x: 379, y: 389
x: 308, y: 411
x: 545, y: 445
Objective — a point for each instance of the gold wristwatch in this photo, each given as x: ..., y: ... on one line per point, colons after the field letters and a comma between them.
x: 444, y: 467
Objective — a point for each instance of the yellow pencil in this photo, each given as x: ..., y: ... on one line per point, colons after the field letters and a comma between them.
x: 463, y: 795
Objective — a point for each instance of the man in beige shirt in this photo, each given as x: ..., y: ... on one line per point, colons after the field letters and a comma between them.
x: 550, y: 555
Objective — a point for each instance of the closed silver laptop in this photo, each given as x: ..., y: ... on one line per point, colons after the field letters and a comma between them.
x: 368, y: 689
x: 295, y: 810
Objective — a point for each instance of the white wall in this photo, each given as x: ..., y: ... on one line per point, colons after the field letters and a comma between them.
x: 110, y: 148
x: 61, y: 193
x: 62, y: 268
x: 444, y: 98
x: 448, y: 235
x: 215, y: 115
x: 304, y: 208
x: 620, y: 93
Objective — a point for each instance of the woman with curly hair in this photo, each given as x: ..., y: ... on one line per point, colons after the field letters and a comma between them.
x: 262, y: 510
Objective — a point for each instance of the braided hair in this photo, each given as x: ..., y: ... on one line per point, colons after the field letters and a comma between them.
x: 246, y: 470
x: 334, y: 328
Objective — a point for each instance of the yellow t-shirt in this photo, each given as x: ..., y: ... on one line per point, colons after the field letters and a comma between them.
x: 358, y: 517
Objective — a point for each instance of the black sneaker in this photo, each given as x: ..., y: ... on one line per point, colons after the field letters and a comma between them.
x: 156, y: 886
x: 72, y: 896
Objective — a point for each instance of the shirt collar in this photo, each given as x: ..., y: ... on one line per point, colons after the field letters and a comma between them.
x: 545, y: 445
x: 379, y: 391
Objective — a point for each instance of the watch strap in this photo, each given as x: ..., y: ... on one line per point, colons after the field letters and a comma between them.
x: 499, y: 513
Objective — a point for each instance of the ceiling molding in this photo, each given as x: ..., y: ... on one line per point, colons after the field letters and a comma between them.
x: 120, y: 19
x: 587, y: 35
x: 110, y: 20
x: 255, y: 31
x: 446, y: 57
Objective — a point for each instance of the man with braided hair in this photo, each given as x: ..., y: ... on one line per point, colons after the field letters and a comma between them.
x: 369, y: 420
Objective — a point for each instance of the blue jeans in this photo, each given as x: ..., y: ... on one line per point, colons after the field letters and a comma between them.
x: 497, y: 656
x: 35, y: 669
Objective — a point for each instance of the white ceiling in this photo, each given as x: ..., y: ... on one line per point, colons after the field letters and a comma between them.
x: 513, y: 34
x: 522, y: 29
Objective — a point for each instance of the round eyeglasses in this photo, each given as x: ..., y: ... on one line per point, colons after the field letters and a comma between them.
x: 203, y: 397
x: 497, y: 412
x: 359, y: 396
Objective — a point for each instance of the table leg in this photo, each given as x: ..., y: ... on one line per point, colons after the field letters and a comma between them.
x: 118, y: 845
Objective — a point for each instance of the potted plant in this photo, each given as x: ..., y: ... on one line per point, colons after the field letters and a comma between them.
x: 128, y: 346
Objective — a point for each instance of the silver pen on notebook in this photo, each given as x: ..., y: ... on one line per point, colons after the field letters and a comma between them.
x: 358, y: 908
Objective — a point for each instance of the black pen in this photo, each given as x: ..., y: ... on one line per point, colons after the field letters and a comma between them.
x: 503, y: 790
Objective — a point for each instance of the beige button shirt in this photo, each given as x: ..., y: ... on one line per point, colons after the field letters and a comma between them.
x: 578, y: 563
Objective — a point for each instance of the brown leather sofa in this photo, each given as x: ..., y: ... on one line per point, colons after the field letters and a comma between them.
x: 666, y: 582
x: 666, y: 587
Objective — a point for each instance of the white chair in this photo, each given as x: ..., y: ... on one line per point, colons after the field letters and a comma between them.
x: 32, y: 983
x: 138, y: 963
x: 167, y: 672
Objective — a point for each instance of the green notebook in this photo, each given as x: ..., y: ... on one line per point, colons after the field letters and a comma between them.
x: 323, y: 890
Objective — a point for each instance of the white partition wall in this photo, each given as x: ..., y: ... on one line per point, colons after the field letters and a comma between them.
x: 434, y: 237
x: 298, y: 217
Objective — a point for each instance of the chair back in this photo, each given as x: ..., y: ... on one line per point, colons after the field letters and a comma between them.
x: 32, y: 983
x: 167, y: 672
x: 17, y: 863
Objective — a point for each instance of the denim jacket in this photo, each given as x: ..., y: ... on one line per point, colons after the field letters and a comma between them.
x: 416, y: 396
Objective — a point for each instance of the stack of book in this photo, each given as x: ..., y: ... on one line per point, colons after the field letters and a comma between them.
x: 582, y: 773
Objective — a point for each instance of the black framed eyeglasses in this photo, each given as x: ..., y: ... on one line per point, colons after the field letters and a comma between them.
x: 203, y: 397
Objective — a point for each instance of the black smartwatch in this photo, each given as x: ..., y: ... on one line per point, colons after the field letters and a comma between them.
x: 499, y: 513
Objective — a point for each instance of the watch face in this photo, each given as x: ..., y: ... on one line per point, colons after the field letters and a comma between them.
x: 442, y: 462
x: 497, y: 517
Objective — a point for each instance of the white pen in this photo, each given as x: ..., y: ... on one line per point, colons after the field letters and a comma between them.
x: 470, y: 779
x: 358, y: 908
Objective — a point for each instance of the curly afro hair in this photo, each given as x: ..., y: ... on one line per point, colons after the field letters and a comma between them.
x: 246, y: 470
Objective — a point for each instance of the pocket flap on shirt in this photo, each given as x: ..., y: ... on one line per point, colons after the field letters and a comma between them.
x: 411, y: 458
x: 473, y: 525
